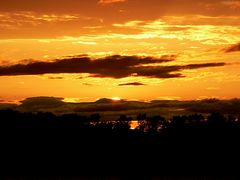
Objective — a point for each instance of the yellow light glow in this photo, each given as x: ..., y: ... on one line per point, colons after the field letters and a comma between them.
x: 134, y: 124
x: 116, y: 98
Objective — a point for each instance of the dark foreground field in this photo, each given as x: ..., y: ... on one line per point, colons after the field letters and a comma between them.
x: 45, y: 145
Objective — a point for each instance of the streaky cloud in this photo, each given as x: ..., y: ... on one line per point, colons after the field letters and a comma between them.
x: 206, y: 65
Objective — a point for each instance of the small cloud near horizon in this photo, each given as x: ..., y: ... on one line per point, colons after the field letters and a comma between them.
x: 132, y: 84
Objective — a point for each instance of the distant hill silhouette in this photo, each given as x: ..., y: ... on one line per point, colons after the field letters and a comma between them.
x: 111, y: 110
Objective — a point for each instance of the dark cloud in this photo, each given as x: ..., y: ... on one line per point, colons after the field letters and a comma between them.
x: 233, y: 48
x: 132, y: 84
x: 171, y: 71
x: 111, y: 66
x: 205, y: 65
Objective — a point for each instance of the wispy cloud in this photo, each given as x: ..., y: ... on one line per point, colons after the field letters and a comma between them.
x: 233, y: 4
x: 204, y: 29
x: 111, y: 66
x: 24, y: 18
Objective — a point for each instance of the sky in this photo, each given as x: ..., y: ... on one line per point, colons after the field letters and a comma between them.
x: 131, y: 49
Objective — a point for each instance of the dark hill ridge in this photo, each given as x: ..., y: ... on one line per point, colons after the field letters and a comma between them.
x: 111, y: 109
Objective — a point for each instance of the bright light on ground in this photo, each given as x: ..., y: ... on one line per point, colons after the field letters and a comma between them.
x: 134, y: 124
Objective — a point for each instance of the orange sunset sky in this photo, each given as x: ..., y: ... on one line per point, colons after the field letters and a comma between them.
x: 133, y: 49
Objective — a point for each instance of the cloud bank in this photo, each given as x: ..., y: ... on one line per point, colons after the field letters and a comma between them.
x: 111, y: 66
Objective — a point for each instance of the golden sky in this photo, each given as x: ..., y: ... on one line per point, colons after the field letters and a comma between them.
x: 133, y: 49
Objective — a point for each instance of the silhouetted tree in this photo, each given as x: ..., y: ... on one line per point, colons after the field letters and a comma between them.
x: 155, y: 123
x: 124, y: 117
x: 95, y: 118
x: 196, y: 118
x: 216, y: 119
x: 141, y: 116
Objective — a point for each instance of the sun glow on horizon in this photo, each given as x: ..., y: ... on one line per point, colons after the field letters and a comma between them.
x: 116, y: 98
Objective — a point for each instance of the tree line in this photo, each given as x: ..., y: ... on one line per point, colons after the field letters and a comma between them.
x: 75, y: 144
